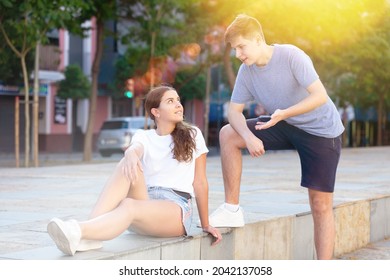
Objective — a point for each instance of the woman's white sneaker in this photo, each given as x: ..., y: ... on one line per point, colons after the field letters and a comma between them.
x: 87, y: 244
x: 66, y: 235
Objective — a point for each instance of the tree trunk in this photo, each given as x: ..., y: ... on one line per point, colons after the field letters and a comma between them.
x: 22, y: 55
x: 151, y: 69
x: 380, y: 114
x: 87, y: 156
x: 231, y: 76
x: 17, y: 135
x: 151, y: 65
x: 36, y: 108
x: 207, y: 105
x: 26, y: 112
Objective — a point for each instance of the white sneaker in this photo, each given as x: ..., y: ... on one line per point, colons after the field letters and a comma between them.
x: 222, y: 217
x: 66, y: 235
x: 87, y: 244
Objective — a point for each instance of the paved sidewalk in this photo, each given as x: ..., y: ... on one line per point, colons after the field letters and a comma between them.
x: 30, y: 197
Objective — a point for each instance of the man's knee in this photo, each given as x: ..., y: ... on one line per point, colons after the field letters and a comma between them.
x: 224, y: 131
x: 321, y: 203
x: 227, y: 134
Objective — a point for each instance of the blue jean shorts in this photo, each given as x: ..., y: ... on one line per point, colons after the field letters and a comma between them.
x: 185, y: 203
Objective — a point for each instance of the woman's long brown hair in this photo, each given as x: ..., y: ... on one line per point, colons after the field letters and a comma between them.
x: 183, y: 135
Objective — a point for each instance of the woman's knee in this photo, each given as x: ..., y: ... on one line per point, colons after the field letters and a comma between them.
x: 128, y: 203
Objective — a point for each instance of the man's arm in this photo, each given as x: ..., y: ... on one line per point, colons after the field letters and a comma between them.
x: 317, y: 97
x: 237, y: 119
x: 238, y: 122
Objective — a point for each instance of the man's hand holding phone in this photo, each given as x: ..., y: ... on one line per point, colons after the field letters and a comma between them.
x: 263, y: 122
x: 264, y: 118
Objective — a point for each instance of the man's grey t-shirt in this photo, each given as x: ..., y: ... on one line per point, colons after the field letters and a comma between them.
x: 281, y: 84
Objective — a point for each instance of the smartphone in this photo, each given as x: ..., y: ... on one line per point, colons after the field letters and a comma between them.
x: 263, y: 118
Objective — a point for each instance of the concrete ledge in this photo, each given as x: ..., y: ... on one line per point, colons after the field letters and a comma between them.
x: 283, y: 238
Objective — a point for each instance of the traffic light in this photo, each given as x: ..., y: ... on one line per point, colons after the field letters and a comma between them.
x: 128, y: 94
x: 129, y: 88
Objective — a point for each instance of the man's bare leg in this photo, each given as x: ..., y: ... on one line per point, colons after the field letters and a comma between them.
x: 231, y: 144
x: 321, y: 204
x: 229, y: 214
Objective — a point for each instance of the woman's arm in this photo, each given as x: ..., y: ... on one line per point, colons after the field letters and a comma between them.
x: 201, y: 195
x: 132, y: 161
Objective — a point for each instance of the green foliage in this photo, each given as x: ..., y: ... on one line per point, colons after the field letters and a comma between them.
x: 134, y: 62
x: 25, y: 23
x: 75, y: 85
x: 32, y: 19
x: 367, y: 68
x: 10, y: 67
x: 190, y: 85
x: 156, y: 31
x: 167, y: 20
x: 346, y: 39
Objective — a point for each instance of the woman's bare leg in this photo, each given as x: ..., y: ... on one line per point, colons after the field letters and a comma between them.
x: 121, y: 205
x: 152, y: 217
x: 118, y: 188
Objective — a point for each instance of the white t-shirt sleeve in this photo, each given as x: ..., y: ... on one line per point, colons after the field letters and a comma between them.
x: 141, y: 138
x: 201, y: 147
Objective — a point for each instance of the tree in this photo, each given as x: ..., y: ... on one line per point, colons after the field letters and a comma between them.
x: 101, y: 11
x: 160, y: 30
x: 189, y: 87
x: 24, y: 24
x: 75, y: 85
x: 15, y: 21
x: 10, y: 67
x: 369, y: 66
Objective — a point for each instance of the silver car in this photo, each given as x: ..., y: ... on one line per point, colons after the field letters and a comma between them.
x: 116, y: 133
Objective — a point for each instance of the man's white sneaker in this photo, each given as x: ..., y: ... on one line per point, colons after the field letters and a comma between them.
x: 87, y: 244
x: 66, y: 235
x: 222, y: 217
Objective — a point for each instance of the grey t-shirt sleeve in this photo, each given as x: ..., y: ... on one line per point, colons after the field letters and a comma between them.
x: 302, y: 67
x: 243, y: 88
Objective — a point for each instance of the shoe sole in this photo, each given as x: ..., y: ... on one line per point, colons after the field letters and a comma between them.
x: 56, y: 232
x: 86, y: 245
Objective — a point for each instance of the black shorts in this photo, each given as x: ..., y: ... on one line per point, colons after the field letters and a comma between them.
x: 319, y: 155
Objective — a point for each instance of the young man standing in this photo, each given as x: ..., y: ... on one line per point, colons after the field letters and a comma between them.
x: 303, y: 117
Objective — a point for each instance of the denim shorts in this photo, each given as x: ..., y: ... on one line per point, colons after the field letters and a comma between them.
x: 319, y: 156
x: 185, y: 204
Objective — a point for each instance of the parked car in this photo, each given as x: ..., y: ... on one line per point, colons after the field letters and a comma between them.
x: 116, y: 133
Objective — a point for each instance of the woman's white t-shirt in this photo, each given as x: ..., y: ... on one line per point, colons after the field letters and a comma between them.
x: 160, y: 168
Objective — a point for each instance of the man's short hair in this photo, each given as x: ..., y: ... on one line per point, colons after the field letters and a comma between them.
x: 243, y: 25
